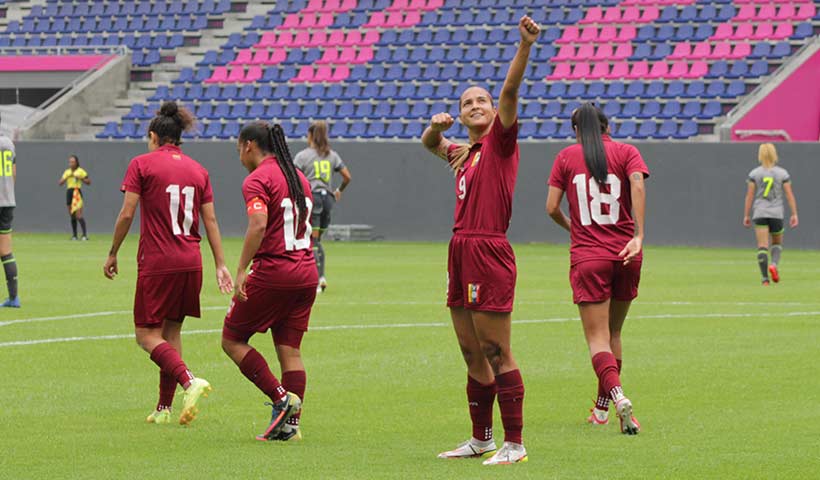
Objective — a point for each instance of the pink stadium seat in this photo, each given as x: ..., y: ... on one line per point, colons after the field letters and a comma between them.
x: 220, y: 75
x: 336, y: 38
x: 330, y: 55
x: 619, y: 70
x: 702, y: 51
x: 594, y: 15
x: 650, y: 14
x: 432, y: 4
x: 623, y: 51
x: 721, y: 51
x: 682, y: 50
x: 679, y: 69
x: 783, y: 31
x: 332, y: 6
x: 570, y: 35
x: 639, y: 69
x: 741, y: 50
x: 291, y: 22
x: 394, y: 20
x: 613, y: 15
x: 698, y: 70
x: 268, y: 40
x: 278, y: 56
x: 323, y: 74
x: 347, y: 5
x: 607, y: 34
x: 659, y: 70
x: 260, y: 57
x: 371, y: 37
x: 318, y: 39
x: 399, y: 5
x: 723, y: 32
x: 418, y: 5
x: 411, y: 19
x: 237, y: 74
x: 347, y: 55
x: 580, y: 71
x: 744, y: 31
x: 244, y: 57
x: 341, y: 74
x: 589, y: 34
x: 285, y: 39
x: 354, y: 38
x: 325, y: 20
x: 308, y: 21
x: 604, y: 52
x: 566, y: 52
x: 631, y: 14
x: 305, y: 74
x: 764, y: 30
x: 746, y: 13
x: 376, y: 20
x: 313, y: 6
x: 562, y: 70
x: 301, y: 39
x: 254, y: 74
x: 786, y: 12
x: 585, y: 52
x: 365, y: 55
x: 806, y: 12
x: 627, y: 33
x: 766, y: 12
x: 600, y: 70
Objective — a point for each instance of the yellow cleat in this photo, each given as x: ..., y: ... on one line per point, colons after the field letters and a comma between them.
x: 198, y: 388
x: 160, y: 417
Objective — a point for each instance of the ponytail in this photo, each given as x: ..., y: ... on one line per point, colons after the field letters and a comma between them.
x: 318, y: 135
x: 589, y: 124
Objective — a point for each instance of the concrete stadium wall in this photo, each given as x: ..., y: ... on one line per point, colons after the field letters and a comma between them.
x: 695, y: 193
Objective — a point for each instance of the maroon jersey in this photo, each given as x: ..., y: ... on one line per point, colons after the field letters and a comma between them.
x: 601, y: 215
x: 485, y: 184
x: 285, y: 257
x: 172, y: 187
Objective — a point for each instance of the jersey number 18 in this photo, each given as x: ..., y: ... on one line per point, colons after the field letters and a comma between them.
x: 592, y: 210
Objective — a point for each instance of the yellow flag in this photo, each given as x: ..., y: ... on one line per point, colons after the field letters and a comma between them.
x: 76, y: 201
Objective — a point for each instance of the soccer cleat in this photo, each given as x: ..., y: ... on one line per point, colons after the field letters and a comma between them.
x: 598, y: 417
x: 280, y: 413
x: 508, y: 453
x: 472, y: 448
x: 774, y: 273
x: 74, y: 238
x: 629, y: 424
x: 765, y: 282
x: 11, y: 303
x: 322, y: 283
x: 160, y: 417
x: 85, y: 238
x: 198, y: 388
x: 289, y: 433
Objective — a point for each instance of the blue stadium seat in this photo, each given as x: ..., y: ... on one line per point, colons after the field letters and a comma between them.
x: 213, y: 129
x: 650, y: 109
x: 668, y: 129
x: 420, y: 110
x: 635, y: 90
x: 552, y: 109
x: 655, y: 89
x: 671, y: 109
x: 547, y: 129
x: 691, y: 110
x: 687, y: 129
x: 703, y: 32
x: 565, y: 130
x: 375, y: 130
x: 726, y: 13
x: 695, y: 89
x: 803, y: 30
x: 758, y: 69
x: 646, y: 130
x: 736, y: 88
x: 781, y: 49
x: 615, y: 89
x: 596, y: 90
x: 612, y: 109
x: 718, y: 69
x: 631, y: 109
x: 576, y: 90
x: 711, y: 110
x: 556, y: 90
x: 527, y: 130
x: 715, y: 89
x: 761, y: 50
x: 675, y: 89
x: 739, y: 69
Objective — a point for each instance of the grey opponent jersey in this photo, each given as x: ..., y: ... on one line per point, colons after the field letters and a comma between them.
x: 318, y: 170
x: 768, y: 182
x: 7, y: 160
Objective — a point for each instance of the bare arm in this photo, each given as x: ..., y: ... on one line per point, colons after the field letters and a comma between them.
x: 86, y: 180
x: 638, y: 192
x: 432, y: 138
x: 121, y: 227
x: 253, y: 239
x: 554, y: 197
x: 223, y: 276
x: 787, y: 189
x: 508, y: 100
x: 747, y: 204
x: 345, y: 173
x: 62, y: 181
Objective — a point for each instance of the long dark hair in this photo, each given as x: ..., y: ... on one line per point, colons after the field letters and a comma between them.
x: 76, y: 159
x: 318, y: 134
x: 271, y: 140
x: 590, y: 123
x: 169, y: 123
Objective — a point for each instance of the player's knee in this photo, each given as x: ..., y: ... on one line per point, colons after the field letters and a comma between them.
x: 493, y: 353
x: 470, y: 356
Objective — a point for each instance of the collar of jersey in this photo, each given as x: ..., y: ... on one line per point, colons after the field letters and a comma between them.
x: 169, y: 148
x: 605, y: 137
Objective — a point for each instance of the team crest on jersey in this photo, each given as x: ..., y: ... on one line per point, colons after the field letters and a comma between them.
x: 476, y: 159
x: 176, y: 157
x: 473, y: 293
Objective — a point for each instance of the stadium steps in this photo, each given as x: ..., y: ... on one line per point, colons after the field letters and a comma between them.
x: 17, y: 11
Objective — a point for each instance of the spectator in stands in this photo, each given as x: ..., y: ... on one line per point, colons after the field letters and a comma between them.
x: 318, y: 162
x: 73, y: 178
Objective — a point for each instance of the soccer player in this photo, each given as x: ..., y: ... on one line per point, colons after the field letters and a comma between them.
x: 604, y: 182
x: 8, y: 176
x: 278, y: 292
x: 481, y: 265
x: 318, y: 162
x: 73, y: 178
x: 173, y: 192
x: 768, y: 184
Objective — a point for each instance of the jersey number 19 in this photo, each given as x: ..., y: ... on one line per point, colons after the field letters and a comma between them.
x: 592, y: 210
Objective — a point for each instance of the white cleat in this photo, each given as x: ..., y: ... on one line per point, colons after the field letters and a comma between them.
x: 472, y: 448
x: 598, y: 417
x: 509, y: 453
x: 629, y: 424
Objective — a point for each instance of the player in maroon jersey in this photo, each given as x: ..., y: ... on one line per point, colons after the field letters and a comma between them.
x: 481, y: 265
x: 278, y: 292
x: 173, y: 192
x: 604, y: 182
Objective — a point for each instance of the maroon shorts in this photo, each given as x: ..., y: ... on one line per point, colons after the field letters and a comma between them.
x: 285, y: 312
x: 481, y: 273
x: 168, y: 296
x: 599, y: 280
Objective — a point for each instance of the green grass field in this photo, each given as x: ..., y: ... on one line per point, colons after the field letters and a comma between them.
x: 722, y: 372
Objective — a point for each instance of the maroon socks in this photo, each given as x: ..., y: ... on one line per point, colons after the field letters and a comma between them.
x: 256, y: 369
x: 602, y: 402
x: 171, y: 363
x: 606, y: 367
x: 481, y: 399
x: 167, y: 389
x: 295, y: 381
x: 510, y: 388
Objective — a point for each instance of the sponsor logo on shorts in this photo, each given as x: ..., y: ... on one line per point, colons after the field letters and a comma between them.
x: 473, y: 292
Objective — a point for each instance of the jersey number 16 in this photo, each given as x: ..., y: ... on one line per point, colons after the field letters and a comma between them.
x: 592, y: 210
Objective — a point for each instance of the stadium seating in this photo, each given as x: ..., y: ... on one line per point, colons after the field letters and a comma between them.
x: 664, y: 69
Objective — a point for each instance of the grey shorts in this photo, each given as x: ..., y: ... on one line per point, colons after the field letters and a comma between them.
x: 323, y: 202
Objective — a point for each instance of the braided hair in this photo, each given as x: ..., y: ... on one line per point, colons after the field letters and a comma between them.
x: 271, y: 140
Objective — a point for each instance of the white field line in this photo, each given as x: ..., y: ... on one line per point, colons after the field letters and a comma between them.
x: 353, y: 304
x: 422, y: 325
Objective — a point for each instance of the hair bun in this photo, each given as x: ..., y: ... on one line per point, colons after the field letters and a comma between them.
x: 169, y: 109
